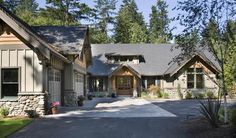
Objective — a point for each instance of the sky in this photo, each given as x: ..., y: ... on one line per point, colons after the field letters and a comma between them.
x: 144, y: 6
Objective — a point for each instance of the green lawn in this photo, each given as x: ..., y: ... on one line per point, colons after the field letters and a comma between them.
x: 11, y: 125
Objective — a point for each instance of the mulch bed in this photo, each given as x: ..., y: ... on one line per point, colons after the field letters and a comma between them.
x: 200, y: 128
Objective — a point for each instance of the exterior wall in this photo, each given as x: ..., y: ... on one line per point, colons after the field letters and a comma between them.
x: 171, y: 87
x: 14, y: 54
x: 72, y: 88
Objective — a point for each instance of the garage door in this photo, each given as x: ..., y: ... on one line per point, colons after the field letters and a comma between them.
x: 55, y: 85
x: 79, y: 84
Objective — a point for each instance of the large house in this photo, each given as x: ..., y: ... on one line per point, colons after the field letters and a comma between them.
x: 43, y: 64
x: 40, y: 65
x: 129, y: 69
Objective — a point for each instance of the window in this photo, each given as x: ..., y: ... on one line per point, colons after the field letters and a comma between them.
x: 195, y: 78
x: 124, y: 83
x: 97, y: 84
x: 9, y: 82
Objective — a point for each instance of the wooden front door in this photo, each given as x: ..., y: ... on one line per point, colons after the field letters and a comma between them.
x: 124, y: 85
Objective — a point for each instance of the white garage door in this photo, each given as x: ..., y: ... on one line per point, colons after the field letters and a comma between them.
x: 55, y: 85
x: 79, y: 84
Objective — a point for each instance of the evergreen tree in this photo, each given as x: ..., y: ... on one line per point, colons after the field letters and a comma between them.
x: 10, y: 4
x: 27, y: 11
x: 66, y: 12
x: 104, y: 16
x: 200, y: 15
x: 159, y: 23
x: 126, y: 24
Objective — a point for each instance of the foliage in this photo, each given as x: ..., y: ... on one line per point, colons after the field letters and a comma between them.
x: 210, y: 21
x: 188, y: 95
x: 10, y: 4
x: 153, y: 90
x: 4, y: 111
x: 31, y: 113
x: 200, y: 95
x: 104, y: 11
x: 144, y: 94
x: 165, y: 95
x: 232, y: 117
x: 210, y: 95
x: 130, y: 25
x: 159, y: 23
x: 180, y: 94
x: 11, y: 125
x: 210, y: 111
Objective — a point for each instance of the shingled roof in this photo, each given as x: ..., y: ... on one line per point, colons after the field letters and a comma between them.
x: 157, y: 58
x: 68, y: 39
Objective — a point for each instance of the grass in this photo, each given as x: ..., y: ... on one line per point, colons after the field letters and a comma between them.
x: 11, y: 125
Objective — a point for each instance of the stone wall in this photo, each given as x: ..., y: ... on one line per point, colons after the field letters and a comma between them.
x: 173, y: 93
x: 70, y: 98
x: 26, y: 101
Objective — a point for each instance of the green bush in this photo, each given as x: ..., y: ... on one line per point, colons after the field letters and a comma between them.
x: 159, y: 94
x: 210, y: 95
x: 232, y: 116
x: 165, y: 95
x: 200, y: 96
x: 180, y: 94
x: 144, y: 94
x: 188, y: 95
x: 4, y: 112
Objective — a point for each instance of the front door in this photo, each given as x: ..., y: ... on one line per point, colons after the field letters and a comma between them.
x: 124, y: 85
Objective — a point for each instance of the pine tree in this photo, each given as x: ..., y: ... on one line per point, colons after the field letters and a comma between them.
x: 27, y: 11
x: 159, y: 23
x: 126, y: 24
x: 67, y: 12
x: 104, y: 17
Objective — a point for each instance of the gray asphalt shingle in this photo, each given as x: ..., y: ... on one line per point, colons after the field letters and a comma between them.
x: 157, y: 57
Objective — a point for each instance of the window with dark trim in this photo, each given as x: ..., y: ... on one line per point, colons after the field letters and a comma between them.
x: 9, y: 82
x: 195, y: 79
x: 97, y: 84
x: 124, y: 82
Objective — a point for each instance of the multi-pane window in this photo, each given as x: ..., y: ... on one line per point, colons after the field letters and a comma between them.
x: 124, y: 82
x: 78, y: 77
x: 195, y: 78
x: 9, y: 82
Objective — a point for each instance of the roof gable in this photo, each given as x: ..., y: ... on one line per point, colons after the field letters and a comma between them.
x: 157, y: 58
x: 67, y: 39
x: 26, y: 34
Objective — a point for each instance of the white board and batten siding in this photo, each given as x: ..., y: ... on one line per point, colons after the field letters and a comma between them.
x: 30, y: 69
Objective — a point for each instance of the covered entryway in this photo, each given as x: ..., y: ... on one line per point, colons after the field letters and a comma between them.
x: 54, y: 85
x: 124, y: 85
x: 125, y: 81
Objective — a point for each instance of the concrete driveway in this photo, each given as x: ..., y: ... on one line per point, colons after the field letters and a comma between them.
x: 121, y: 107
x: 116, y: 118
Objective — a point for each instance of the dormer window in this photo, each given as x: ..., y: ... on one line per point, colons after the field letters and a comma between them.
x: 117, y: 59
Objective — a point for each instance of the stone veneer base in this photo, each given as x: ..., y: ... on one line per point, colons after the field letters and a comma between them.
x: 26, y: 101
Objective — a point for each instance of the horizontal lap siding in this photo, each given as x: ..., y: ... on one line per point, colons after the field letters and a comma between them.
x: 30, y: 69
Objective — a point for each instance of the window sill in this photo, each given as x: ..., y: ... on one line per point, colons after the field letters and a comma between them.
x: 9, y: 99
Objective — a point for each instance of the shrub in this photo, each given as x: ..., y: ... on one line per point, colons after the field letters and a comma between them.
x: 210, y: 111
x: 159, y: 94
x: 210, y: 95
x: 153, y: 90
x: 188, y: 95
x: 180, y: 94
x: 200, y: 96
x: 165, y: 95
x: 31, y: 113
x: 4, y: 112
x: 144, y: 94
x: 232, y: 116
